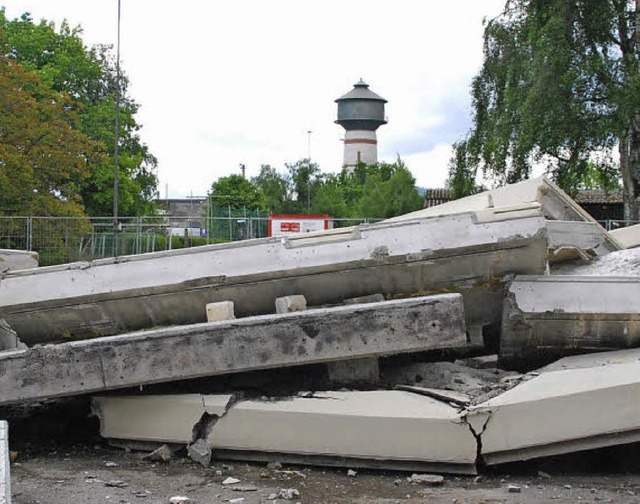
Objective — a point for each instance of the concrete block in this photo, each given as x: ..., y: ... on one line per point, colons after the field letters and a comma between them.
x: 574, y: 239
x: 5, y: 474
x: 289, y: 304
x: 200, y: 452
x: 549, y: 317
x: 470, y: 253
x: 354, y: 372
x: 8, y: 338
x: 164, y: 419
x: 626, y: 237
x: 251, y: 343
x: 410, y: 431
x: 561, y: 412
x: 223, y: 310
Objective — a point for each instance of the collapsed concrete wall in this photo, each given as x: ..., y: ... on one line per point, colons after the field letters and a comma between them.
x: 548, y: 317
x: 262, y: 342
x: 468, y: 253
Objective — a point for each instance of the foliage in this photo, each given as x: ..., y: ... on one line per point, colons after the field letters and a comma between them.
x: 88, y: 77
x: 559, y: 87
x: 274, y: 188
x: 237, y: 192
x: 44, y: 160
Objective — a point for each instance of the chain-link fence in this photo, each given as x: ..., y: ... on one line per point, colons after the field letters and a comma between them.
x: 61, y: 240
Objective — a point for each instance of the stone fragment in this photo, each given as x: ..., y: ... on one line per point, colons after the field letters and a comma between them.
x: 288, y: 493
x: 427, y: 479
x: 200, y: 452
x: 222, y: 310
x: 230, y: 481
x: 351, y: 473
x: 514, y: 489
x: 178, y: 499
x: 289, y: 304
x: 162, y: 454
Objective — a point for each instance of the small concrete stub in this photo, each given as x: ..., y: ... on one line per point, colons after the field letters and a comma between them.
x: 5, y: 478
x: 224, y: 310
x: 289, y: 304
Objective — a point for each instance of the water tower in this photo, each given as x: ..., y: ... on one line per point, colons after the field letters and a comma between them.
x: 360, y: 112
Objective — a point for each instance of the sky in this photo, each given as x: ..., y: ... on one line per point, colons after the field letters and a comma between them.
x: 253, y: 82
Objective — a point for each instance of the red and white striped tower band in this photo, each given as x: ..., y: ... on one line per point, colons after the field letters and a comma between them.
x: 360, y: 113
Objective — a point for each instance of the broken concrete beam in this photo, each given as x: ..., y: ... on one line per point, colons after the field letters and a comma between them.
x: 5, y: 475
x: 560, y: 412
x: 8, y: 338
x: 252, y: 343
x: 289, y: 304
x: 548, y: 317
x: 120, y: 417
x: 17, y: 260
x: 411, y: 432
x: 469, y: 253
x: 222, y: 310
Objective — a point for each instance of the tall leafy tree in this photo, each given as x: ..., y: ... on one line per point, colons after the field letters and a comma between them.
x: 559, y: 86
x: 274, y: 188
x: 88, y: 76
x: 237, y: 192
x: 44, y: 160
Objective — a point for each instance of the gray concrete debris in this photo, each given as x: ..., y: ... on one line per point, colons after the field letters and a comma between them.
x: 560, y: 412
x: 479, y: 362
x: 9, y: 339
x: 426, y: 479
x: 570, y: 240
x: 200, y: 452
x: 162, y: 454
x: 288, y: 304
x: 619, y: 263
x: 5, y: 474
x: 548, y: 317
x: 331, y: 428
x: 252, y: 343
x: 373, y: 298
x: 626, y: 237
x: 470, y: 253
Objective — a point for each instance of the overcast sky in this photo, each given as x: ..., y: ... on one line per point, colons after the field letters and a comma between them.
x: 243, y: 81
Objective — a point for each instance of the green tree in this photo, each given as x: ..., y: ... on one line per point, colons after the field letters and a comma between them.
x: 237, y: 192
x: 43, y: 159
x: 88, y: 76
x: 559, y: 86
x: 274, y: 188
x: 304, y: 178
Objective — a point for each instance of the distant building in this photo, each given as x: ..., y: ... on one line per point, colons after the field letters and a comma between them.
x: 186, y: 216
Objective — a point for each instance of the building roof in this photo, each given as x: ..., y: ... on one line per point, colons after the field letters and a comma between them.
x: 599, y: 196
x: 361, y: 91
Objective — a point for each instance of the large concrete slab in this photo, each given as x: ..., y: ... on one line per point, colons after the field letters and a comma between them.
x: 548, y: 317
x: 573, y: 239
x: 411, y: 431
x: 5, y: 475
x: 469, y: 253
x: 561, y: 412
x: 554, y: 202
x: 11, y: 259
x: 261, y: 342
x: 626, y: 237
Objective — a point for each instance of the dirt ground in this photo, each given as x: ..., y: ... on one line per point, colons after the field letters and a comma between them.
x: 61, y: 459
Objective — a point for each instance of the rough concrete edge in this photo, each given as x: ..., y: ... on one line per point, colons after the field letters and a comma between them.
x: 5, y: 483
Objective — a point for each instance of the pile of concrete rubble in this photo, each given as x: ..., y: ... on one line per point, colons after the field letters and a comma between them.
x: 495, y: 328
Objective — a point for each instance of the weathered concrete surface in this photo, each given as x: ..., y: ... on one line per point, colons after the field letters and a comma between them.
x: 593, y: 360
x: 17, y: 260
x: 468, y: 253
x: 288, y: 304
x: 626, y: 237
x: 8, y: 338
x: 5, y: 474
x: 223, y: 310
x: 393, y: 429
x: 353, y: 372
x: 165, y: 419
x: 262, y: 342
x: 555, y: 203
x: 411, y: 431
x: 561, y: 412
x: 619, y: 263
x: 571, y: 239
x: 548, y: 317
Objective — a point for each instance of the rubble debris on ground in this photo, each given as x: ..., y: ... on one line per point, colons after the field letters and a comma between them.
x: 262, y: 342
x: 548, y: 317
x: 625, y: 263
x: 5, y: 479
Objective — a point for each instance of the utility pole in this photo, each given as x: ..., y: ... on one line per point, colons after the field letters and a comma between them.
x: 116, y: 185
x: 242, y: 169
x: 309, y: 175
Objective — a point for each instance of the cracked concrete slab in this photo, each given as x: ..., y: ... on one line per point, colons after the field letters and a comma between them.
x: 163, y: 418
x: 548, y: 317
x: 626, y: 237
x: 5, y: 474
x: 560, y: 412
x: 252, y: 343
x: 11, y: 259
x: 469, y: 253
